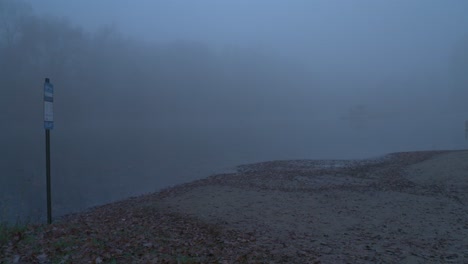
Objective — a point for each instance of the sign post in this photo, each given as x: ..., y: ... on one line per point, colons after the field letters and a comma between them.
x: 48, y: 125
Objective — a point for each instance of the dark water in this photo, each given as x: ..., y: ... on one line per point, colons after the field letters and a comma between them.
x: 100, y: 162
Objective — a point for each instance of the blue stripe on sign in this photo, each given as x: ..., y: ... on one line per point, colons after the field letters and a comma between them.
x: 48, y: 88
x: 48, y: 99
x: 48, y: 125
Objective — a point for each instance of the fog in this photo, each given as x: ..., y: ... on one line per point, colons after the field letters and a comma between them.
x: 149, y: 94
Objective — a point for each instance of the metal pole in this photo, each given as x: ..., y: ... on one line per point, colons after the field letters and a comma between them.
x: 49, y: 200
x: 49, y: 203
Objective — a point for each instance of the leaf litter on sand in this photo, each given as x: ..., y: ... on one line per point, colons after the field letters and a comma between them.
x: 127, y: 233
x: 130, y: 231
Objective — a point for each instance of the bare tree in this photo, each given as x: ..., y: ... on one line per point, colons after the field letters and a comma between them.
x: 11, y: 14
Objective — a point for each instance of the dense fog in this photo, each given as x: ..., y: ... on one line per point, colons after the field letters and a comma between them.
x: 150, y: 94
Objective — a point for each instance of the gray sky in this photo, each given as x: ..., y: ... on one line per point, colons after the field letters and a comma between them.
x: 358, y: 34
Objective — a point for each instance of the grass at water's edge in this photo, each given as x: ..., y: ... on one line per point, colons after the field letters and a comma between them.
x: 10, y: 232
x: 127, y: 233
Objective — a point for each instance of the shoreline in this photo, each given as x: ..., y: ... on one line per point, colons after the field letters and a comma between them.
x: 402, y: 207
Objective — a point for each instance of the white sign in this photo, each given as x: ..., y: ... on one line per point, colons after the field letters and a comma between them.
x: 48, y: 111
x: 48, y: 92
x: 48, y: 105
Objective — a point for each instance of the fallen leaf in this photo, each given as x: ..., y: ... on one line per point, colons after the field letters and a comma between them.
x: 148, y: 245
x: 42, y: 257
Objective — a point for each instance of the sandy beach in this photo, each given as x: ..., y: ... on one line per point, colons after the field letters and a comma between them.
x: 401, y: 208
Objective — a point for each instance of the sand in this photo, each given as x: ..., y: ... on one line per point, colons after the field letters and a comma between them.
x: 401, y: 208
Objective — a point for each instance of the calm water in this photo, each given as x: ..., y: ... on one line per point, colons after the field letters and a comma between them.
x: 93, y: 164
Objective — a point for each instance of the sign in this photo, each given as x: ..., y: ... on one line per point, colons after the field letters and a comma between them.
x: 48, y: 105
x: 48, y: 125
